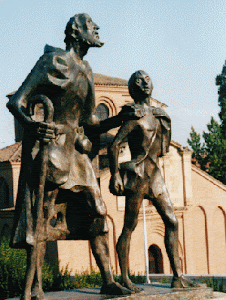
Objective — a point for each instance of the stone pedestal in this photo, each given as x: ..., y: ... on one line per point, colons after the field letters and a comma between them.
x: 153, y: 291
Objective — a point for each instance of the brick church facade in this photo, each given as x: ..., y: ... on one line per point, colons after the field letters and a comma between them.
x: 199, y: 201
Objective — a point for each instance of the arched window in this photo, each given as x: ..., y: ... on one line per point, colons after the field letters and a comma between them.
x: 4, y: 193
x: 102, y: 111
x: 155, y: 260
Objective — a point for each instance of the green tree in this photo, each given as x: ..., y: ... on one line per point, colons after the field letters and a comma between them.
x: 198, y: 148
x: 216, y: 149
x: 221, y: 81
x: 211, y: 155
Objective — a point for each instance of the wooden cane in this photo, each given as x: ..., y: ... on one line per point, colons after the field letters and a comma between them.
x: 33, y: 264
x: 48, y: 118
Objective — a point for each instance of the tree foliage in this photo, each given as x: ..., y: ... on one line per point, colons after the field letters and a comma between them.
x: 211, y: 154
x: 199, y: 153
x: 221, y: 82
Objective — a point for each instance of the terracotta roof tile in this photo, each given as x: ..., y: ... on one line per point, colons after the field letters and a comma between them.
x: 100, y: 79
x: 11, y: 153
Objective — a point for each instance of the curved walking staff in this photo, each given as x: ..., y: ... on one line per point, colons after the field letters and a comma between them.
x: 34, y: 252
x: 72, y: 198
x: 36, y: 133
x: 148, y: 134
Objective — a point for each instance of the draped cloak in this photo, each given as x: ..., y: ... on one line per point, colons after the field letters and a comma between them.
x: 144, y: 167
x: 70, y: 87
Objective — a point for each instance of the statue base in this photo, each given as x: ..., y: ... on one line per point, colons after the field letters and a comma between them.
x: 155, y: 291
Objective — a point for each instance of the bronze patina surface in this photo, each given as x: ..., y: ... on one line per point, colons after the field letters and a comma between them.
x: 59, y: 196
x: 148, y: 134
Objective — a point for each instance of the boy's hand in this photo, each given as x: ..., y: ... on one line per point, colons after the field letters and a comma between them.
x: 116, y: 185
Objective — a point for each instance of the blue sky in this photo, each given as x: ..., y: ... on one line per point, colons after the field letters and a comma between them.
x: 181, y: 44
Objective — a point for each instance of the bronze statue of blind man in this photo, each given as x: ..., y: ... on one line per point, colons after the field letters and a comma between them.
x: 59, y: 196
x: 148, y: 134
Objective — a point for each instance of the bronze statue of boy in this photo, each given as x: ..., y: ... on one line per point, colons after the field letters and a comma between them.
x: 148, y: 134
x: 59, y: 196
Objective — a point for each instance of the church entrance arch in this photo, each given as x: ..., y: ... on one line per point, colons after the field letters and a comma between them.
x: 155, y: 260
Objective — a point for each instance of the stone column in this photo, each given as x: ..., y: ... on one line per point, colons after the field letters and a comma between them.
x: 186, y: 170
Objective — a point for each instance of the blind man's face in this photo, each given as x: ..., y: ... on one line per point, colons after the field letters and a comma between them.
x: 89, y: 31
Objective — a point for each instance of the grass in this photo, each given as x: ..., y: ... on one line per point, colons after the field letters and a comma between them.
x: 13, y: 268
x: 215, y: 284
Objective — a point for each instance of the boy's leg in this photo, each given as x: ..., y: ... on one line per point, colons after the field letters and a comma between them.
x: 165, y: 208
